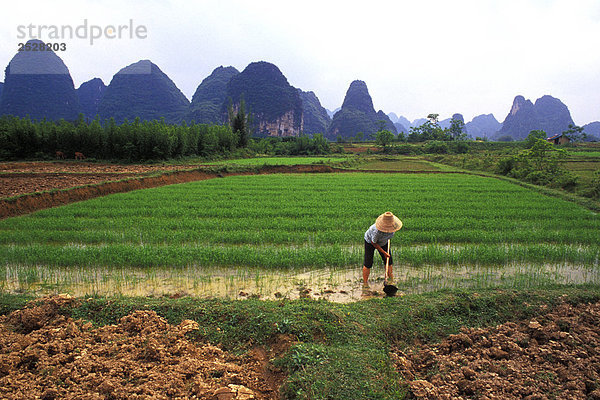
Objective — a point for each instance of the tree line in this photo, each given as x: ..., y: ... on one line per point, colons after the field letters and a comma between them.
x: 22, y: 138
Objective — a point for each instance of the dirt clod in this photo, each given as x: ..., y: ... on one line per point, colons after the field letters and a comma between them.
x: 46, y: 355
x: 534, y: 359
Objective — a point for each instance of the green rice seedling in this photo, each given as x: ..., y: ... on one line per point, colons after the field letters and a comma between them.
x: 303, y: 221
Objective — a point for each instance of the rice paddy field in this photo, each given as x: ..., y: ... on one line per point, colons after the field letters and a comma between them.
x: 583, y: 163
x: 279, y: 161
x: 285, y: 235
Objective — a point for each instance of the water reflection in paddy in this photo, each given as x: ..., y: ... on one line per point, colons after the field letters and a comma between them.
x: 340, y: 285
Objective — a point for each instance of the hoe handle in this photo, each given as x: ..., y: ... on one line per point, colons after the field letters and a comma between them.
x: 387, y: 261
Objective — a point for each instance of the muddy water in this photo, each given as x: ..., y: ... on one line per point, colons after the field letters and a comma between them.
x: 339, y: 285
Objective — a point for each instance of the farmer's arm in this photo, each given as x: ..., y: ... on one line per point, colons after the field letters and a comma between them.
x: 378, y: 247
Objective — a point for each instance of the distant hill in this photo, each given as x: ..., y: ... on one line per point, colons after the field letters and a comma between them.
x: 275, y: 105
x: 90, y: 93
x: 553, y: 115
x: 358, y: 115
x: 592, y: 130
x: 393, y: 117
x: 483, y: 126
x: 405, y: 122
x: 143, y: 90
x: 38, y: 84
x: 445, y: 124
x: 418, y: 122
x: 1, y: 85
x: 207, y: 102
x: 548, y: 114
x: 401, y: 128
x: 332, y: 113
x: 389, y: 125
x: 316, y: 119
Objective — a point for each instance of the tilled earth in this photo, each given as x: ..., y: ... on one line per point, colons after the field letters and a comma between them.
x: 18, y: 178
x: 554, y: 356
x: 45, y: 355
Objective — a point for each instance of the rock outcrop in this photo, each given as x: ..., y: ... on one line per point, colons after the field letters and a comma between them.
x: 483, y: 126
x: 275, y: 105
x: 316, y: 119
x: 548, y: 114
x: 210, y: 96
x: 143, y: 90
x: 90, y: 94
x: 358, y: 115
x: 38, y: 84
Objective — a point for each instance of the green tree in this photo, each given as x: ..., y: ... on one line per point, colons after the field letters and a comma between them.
x: 320, y: 144
x: 384, y: 137
x: 433, y: 118
x: 430, y: 130
x: 575, y: 133
x: 240, y: 123
x: 544, y: 156
x: 533, y: 137
x: 457, y: 129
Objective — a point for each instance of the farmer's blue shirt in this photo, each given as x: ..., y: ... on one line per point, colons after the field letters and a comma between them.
x: 374, y: 235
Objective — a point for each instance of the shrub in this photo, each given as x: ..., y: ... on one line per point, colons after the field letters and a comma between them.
x: 539, y: 177
x: 460, y: 147
x: 436, y: 147
x: 404, y: 149
x: 565, y: 180
x: 505, y: 165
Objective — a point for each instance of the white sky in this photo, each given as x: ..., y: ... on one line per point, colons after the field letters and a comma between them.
x: 417, y: 57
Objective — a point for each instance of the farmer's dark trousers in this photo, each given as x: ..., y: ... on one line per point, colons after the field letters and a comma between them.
x: 370, y: 251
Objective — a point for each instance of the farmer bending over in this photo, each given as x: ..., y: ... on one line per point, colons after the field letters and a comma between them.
x: 376, y: 237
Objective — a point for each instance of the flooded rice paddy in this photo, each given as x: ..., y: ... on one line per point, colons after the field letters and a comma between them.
x: 333, y: 284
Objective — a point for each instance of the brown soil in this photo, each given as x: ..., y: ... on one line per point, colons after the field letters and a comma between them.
x: 17, y: 178
x: 15, y: 184
x: 46, y: 355
x: 554, y: 356
x: 85, y: 167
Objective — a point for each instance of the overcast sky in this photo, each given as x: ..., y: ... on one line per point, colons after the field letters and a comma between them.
x: 417, y: 57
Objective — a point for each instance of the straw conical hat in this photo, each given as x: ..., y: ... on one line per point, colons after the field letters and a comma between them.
x: 388, y: 222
